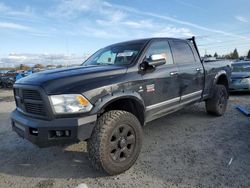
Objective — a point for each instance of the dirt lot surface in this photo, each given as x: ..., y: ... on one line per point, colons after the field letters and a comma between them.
x: 185, y: 149
x: 6, y: 95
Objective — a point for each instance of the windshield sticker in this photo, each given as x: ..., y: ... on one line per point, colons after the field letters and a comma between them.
x: 123, y: 54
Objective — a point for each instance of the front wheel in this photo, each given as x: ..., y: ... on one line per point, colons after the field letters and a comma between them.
x: 217, y: 104
x: 116, y: 142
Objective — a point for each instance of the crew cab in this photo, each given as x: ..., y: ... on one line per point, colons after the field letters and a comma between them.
x: 109, y: 98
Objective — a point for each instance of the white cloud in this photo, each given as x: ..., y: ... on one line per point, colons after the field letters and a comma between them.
x: 114, y: 17
x: 105, y: 3
x: 3, y: 7
x: 95, y: 32
x: 118, y: 18
x: 188, y: 4
x: 194, y: 25
x: 139, y: 24
x: 178, y: 21
x: 72, y: 8
x: 173, y: 32
x: 9, y: 25
x: 114, y: 13
x: 99, y: 33
x: 27, y: 11
x: 241, y: 19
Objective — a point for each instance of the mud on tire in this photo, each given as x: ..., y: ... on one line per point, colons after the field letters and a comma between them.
x: 217, y: 104
x: 115, y: 142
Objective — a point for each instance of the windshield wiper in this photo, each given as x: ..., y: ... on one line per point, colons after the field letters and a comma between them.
x: 104, y: 63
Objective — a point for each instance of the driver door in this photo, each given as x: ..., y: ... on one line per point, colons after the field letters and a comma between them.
x: 161, y: 87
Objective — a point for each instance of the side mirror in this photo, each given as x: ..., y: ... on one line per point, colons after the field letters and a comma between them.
x: 156, y: 60
x: 153, y: 61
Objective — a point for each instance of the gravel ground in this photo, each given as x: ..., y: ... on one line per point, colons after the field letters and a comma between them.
x: 185, y: 149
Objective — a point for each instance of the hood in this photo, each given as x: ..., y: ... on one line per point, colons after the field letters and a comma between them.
x: 64, y: 80
x: 240, y: 75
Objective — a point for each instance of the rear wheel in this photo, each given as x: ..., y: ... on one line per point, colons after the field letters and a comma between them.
x: 217, y: 104
x: 115, y: 142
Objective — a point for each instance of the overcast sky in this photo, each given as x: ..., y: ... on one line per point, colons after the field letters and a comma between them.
x: 83, y: 26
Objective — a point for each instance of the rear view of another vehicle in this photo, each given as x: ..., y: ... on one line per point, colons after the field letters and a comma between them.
x: 240, y: 79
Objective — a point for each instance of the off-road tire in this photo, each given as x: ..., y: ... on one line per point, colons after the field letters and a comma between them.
x: 103, y: 140
x: 217, y: 104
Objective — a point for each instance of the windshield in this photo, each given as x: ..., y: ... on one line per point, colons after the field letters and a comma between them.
x: 245, y: 67
x: 121, y: 54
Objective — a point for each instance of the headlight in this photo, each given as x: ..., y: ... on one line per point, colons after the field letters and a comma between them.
x: 245, y: 81
x: 70, y: 103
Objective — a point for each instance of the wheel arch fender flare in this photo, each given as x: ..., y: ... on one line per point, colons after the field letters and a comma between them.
x: 219, y: 74
x: 217, y: 79
x: 112, y: 97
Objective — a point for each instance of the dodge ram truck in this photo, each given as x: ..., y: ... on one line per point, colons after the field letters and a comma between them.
x: 109, y: 98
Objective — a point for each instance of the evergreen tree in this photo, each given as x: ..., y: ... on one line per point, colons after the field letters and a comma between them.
x: 215, y: 55
x: 248, y: 54
x: 235, y: 54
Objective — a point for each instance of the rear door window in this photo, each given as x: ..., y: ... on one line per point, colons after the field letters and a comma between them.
x: 182, y: 52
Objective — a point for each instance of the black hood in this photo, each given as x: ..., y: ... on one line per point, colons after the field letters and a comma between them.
x: 240, y: 75
x: 67, y: 79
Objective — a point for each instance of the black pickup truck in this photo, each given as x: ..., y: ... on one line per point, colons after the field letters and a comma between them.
x: 109, y: 98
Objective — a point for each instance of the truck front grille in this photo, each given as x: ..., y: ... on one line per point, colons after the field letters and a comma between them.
x: 32, y: 94
x: 35, y: 109
x: 29, y: 101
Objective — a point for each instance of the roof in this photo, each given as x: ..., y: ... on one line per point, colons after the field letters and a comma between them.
x: 145, y: 40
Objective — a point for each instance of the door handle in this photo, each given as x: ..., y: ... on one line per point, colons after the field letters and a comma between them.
x: 198, y: 69
x: 173, y: 73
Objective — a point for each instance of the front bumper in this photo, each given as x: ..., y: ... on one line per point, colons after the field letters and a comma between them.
x: 59, y: 131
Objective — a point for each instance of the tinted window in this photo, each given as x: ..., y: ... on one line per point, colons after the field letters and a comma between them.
x: 160, y: 47
x: 119, y: 54
x: 106, y: 57
x: 182, y: 52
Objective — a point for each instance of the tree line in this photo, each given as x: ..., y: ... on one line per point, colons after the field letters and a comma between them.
x: 232, y: 55
x: 37, y: 66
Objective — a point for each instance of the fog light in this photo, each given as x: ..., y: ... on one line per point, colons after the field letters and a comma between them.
x: 59, y: 134
x: 33, y: 131
x: 67, y: 133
